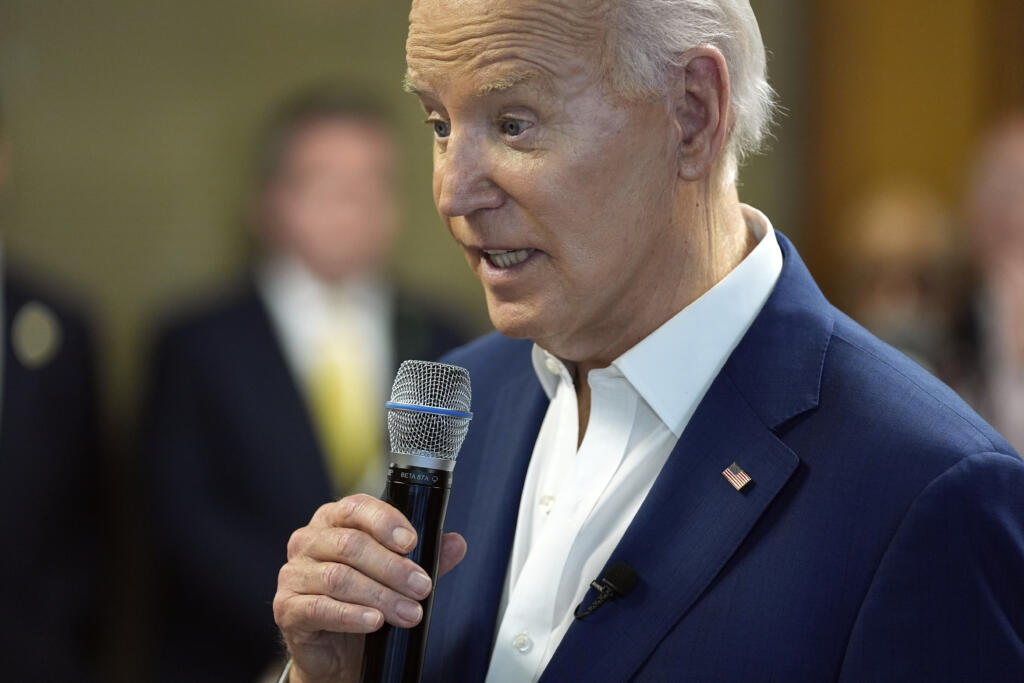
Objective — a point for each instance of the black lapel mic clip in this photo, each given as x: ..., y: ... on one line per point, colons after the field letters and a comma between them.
x: 618, y: 581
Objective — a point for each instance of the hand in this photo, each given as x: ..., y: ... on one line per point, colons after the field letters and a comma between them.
x: 345, y: 576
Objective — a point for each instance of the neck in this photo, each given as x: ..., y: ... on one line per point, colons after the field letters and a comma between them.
x: 714, y: 239
x: 711, y: 238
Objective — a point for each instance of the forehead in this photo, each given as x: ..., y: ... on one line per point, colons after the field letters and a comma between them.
x: 495, y: 44
x: 335, y: 144
x: 340, y: 132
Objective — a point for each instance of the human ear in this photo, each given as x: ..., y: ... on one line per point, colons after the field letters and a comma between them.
x: 701, y: 99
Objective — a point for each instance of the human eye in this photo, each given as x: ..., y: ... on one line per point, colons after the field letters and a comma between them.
x: 442, y: 128
x: 513, y: 127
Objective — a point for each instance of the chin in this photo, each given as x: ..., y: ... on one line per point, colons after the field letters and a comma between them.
x: 511, y: 329
x: 514, y: 320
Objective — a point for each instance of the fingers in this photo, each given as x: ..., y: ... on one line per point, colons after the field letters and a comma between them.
x: 362, y: 552
x: 453, y: 549
x: 313, y: 613
x: 347, y: 585
x: 375, y: 517
x: 346, y: 571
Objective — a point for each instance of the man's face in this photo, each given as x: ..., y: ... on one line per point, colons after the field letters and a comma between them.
x: 559, y: 192
x: 332, y: 201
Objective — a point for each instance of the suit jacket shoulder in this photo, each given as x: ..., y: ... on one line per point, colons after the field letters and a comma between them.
x: 75, y: 330
x: 215, y: 323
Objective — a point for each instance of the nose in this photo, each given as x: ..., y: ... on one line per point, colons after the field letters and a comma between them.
x: 464, y: 177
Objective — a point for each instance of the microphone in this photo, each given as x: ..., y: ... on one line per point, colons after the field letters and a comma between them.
x: 428, y: 417
x: 618, y: 581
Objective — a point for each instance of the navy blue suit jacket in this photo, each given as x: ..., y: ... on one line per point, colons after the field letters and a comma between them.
x: 883, y: 538
x: 49, y: 500
x: 233, y: 466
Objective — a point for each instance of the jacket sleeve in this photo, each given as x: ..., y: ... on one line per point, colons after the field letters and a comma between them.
x: 947, y: 600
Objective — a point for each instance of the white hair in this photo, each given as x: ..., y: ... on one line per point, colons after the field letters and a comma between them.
x: 649, y: 36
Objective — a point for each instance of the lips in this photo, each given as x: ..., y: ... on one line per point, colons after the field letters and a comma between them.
x: 507, y: 258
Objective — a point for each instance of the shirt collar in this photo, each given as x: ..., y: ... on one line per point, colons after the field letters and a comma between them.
x: 673, y: 367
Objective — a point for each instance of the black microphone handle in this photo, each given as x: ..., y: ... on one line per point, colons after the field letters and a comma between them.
x: 393, y: 654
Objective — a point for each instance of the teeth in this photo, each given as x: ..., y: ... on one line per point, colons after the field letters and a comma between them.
x: 506, y: 258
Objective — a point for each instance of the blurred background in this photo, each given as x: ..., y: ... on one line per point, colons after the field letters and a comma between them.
x: 129, y: 128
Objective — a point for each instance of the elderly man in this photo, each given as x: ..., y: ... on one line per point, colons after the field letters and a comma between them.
x: 669, y: 389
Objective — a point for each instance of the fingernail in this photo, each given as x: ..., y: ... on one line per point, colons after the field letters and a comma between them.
x: 419, y: 583
x: 409, y: 611
x: 371, y: 619
x: 403, y: 537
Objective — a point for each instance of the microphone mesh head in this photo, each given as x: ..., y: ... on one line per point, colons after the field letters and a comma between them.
x: 429, y: 385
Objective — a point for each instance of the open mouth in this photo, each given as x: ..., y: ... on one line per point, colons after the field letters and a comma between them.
x: 506, y: 258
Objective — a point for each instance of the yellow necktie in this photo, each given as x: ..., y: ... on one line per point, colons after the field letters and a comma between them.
x: 346, y: 410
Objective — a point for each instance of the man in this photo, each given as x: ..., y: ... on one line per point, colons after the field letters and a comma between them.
x: 270, y: 402
x: 798, y: 501
x: 900, y: 272
x: 993, y: 336
x: 49, y: 483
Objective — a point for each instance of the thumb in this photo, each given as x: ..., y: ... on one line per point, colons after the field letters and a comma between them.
x: 453, y: 549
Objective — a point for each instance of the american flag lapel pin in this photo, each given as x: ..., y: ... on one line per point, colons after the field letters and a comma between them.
x: 735, y: 475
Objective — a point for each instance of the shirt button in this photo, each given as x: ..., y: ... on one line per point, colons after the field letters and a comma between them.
x: 546, y: 503
x: 552, y: 365
x: 522, y: 643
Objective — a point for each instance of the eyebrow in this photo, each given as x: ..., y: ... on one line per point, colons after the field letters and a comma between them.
x: 410, y: 87
x: 506, y: 83
x: 503, y: 84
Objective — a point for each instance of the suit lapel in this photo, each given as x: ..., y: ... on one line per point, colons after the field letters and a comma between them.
x: 691, y: 523
x: 275, y: 411
x: 693, y: 520
x: 484, y: 508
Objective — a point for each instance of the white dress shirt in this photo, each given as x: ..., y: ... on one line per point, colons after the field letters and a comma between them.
x: 307, y: 313
x: 577, y: 503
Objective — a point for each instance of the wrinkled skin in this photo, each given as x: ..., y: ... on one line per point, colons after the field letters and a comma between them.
x: 533, y: 151
x: 345, y: 576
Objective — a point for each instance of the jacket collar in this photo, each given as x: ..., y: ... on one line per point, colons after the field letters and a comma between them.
x: 778, y: 364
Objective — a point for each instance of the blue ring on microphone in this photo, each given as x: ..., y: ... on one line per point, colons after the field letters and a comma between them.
x: 412, y: 408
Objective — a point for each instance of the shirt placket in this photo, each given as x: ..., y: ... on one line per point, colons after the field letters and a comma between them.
x: 534, y: 609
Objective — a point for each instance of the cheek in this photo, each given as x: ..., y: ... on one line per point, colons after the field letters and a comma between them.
x: 437, y: 178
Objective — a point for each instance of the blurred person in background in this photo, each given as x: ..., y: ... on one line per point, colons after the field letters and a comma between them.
x: 269, y: 402
x: 993, y: 334
x: 49, y: 526
x: 903, y: 273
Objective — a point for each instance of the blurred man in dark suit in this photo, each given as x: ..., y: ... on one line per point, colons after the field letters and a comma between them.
x: 271, y: 401
x: 48, y: 467
x: 992, y: 337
